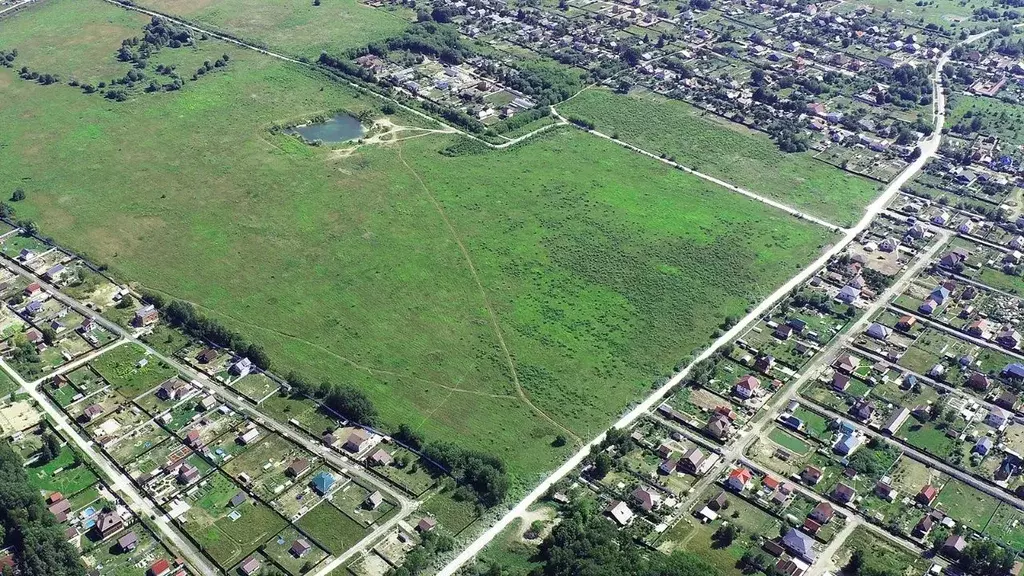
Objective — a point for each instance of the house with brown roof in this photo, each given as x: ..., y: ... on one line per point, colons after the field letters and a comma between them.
x: 811, y: 475
x: 691, y: 461
x: 719, y: 426
x: 927, y: 495
x: 843, y: 493
x: 297, y: 468
x: 379, y: 457
x: 356, y: 441
x: 108, y: 523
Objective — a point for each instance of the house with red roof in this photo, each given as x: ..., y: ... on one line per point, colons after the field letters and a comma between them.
x: 739, y: 478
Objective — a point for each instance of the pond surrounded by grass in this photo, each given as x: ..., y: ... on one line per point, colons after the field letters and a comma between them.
x: 340, y: 128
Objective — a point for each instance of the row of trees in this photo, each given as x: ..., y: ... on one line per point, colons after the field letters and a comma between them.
x: 183, y: 315
x: 586, y: 544
x: 26, y: 525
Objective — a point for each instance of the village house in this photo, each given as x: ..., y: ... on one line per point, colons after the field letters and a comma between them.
x: 145, y: 316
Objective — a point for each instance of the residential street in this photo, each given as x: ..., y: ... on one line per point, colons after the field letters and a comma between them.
x: 124, y: 484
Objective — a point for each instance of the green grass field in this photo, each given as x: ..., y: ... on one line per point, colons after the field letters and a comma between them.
x: 69, y: 480
x: 597, y: 268
x: 120, y: 368
x: 296, y: 27
x: 727, y: 151
x: 89, y: 39
x: 331, y: 529
x: 789, y: 441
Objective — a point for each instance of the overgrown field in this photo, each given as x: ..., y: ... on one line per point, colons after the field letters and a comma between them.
x: 731, y: 152
x: 296, y: 27
x: 448, y: 286
x: 72, y: 39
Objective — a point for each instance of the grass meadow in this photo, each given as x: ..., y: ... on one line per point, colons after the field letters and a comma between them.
x: 725, y: 150
x: 295, y: 27
x: 398, y: 269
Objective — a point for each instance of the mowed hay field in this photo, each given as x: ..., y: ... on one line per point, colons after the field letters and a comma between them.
x: 728, y: 151
x: 401, y: 270
x: 295, y: 27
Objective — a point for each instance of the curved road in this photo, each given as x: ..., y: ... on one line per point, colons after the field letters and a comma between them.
x: 929, y: 148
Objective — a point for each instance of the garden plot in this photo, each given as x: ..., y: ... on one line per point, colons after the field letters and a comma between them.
x: 880, y: 554
x: 66, y: 474
x: 107, y: 558
x: 95, y: 407
x: 331, y: 528
x: 85, y: 379
x: 690, y: 535
x: 407, y: 471
x: 354, y: 500
x: 130, y: 371
x: 183, y: 415
x: 966, y: 505
x: 231, y: 444
x: 300, y: 498
x: 85, y: 285
x: 109, y: 427
x: 395, y: 546
x: 262, y: 467
x: 137, y: 441
x: 1007, y: 526
x: 17, y: 416
x: 255, y: 386
x: 294, y: 559
x: 227, y: 532
x: 310, y: 415
x: 214, y: 424
x: 167, y: 482
x: 156, y: 459
x: 159, y: 401
x: 370, y: 564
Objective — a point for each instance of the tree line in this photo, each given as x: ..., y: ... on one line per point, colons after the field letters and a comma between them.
x: 183, y: 315
x: 38, y: 541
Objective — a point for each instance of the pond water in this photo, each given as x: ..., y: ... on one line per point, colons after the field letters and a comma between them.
x: 340, y: 128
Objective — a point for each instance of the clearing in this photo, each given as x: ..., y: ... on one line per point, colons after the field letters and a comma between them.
x: 497, y: 297
x: 749, y: 159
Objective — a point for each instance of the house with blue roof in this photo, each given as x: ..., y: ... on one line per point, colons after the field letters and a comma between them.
x: 1014, y: 370
x: 846, y: 427
x: 800, y: 544
x: 847, y: 444
x: 983, y: 446
x: 793, y: 422
x: 939, y: 295
x: 323, y: 482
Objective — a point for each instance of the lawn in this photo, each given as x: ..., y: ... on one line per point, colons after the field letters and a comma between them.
x: 120, y: 367
x: 597, y: 269
x: 882, y: 556
x: 966, y: 505
x: 788, y: 441
x: 296, y: 27
x: 331, y: 529
x: 727, y: 151
x: 452, y: 515
x: 226, y: 539
x: 69, y: 480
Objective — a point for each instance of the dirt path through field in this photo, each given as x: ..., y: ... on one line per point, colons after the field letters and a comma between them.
x: 487, y: 302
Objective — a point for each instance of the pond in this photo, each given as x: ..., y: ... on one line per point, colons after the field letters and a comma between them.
x: 340, y: 128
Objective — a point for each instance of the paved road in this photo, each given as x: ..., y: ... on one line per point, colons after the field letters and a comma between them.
x: 986, y: 487
x: 929, y: 148
x: 710, y: 178
x: 15, y: 6
x: 236, y: 401
x: 119, y: 482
